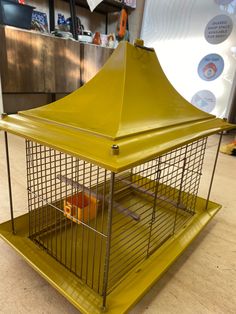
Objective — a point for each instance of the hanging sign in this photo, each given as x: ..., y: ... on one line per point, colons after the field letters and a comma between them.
x: 211, y: 67
x: 93, y: 4
x: 204, y: 100
x: 218, y: 29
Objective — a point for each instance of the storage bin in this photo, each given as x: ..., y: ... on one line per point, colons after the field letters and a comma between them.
x: 15, y: 14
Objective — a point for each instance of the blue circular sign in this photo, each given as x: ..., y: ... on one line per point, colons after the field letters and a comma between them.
x: 211, y: 67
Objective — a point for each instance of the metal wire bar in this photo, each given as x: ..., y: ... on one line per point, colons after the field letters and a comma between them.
x: 28, y: 153
x: 76, y: 239
x: 142, y: 189
x: 94, y: 235
x: 95, y: 194
x: 62, y: 211
x: 100, y: 225
x: 214, y: 169
x: 102, y: 229
x: 108, y: 244
x: 9, y: 183
x: 178, y: 181
x: 154, y: 207
x: 180, y: 189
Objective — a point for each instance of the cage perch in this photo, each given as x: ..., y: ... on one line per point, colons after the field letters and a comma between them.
x: 98, y: 196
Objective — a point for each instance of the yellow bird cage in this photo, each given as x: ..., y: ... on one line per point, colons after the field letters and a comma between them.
x: 113, y: 172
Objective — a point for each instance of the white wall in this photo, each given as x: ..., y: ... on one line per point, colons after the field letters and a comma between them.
x: 176, y: 30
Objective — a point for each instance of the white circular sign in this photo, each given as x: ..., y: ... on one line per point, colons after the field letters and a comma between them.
x: 204, y: 100
x: 218, y: 29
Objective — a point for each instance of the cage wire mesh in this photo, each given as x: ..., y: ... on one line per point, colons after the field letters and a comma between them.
x: 69, y: 198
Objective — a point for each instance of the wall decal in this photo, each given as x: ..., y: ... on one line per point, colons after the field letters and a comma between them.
x: 211, y: 67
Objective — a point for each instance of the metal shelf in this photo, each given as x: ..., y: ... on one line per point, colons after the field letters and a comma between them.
x: 105, y: 7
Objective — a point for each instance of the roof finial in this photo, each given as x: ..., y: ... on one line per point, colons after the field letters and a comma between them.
x: 139, y: 43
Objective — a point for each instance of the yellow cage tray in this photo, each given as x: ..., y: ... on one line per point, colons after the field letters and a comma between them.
x: 131, y: 289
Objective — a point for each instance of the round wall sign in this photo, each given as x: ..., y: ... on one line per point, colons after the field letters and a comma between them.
x: 224, y: 2
x: 211, y: 67
x: 204, y: 100
x: 218, y: 29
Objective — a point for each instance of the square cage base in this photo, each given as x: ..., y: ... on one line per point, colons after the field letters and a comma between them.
x: 129, y: 291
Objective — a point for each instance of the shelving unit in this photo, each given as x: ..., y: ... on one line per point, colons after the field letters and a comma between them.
x: 55, y: 66
x: 49, y: 67
x: 55, y: 72
x: 105, y: 7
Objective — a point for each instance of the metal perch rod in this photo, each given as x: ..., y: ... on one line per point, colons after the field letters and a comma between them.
x: 150, y: 193
x: 116, y: 205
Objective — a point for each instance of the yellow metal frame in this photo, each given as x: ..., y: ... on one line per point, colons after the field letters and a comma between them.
x: 131, y: 289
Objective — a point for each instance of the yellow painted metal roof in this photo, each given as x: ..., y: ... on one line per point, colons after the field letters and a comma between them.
x: 130, y: 103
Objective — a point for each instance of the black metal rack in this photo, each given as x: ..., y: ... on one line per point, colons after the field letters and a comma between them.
x: 105, y: 7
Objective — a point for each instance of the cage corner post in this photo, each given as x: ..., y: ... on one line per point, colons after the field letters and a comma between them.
x: 9, y: 182
x: 214, y: 170
x: 1, y: 100
x: 108, y: 243
x: 2, y: 114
